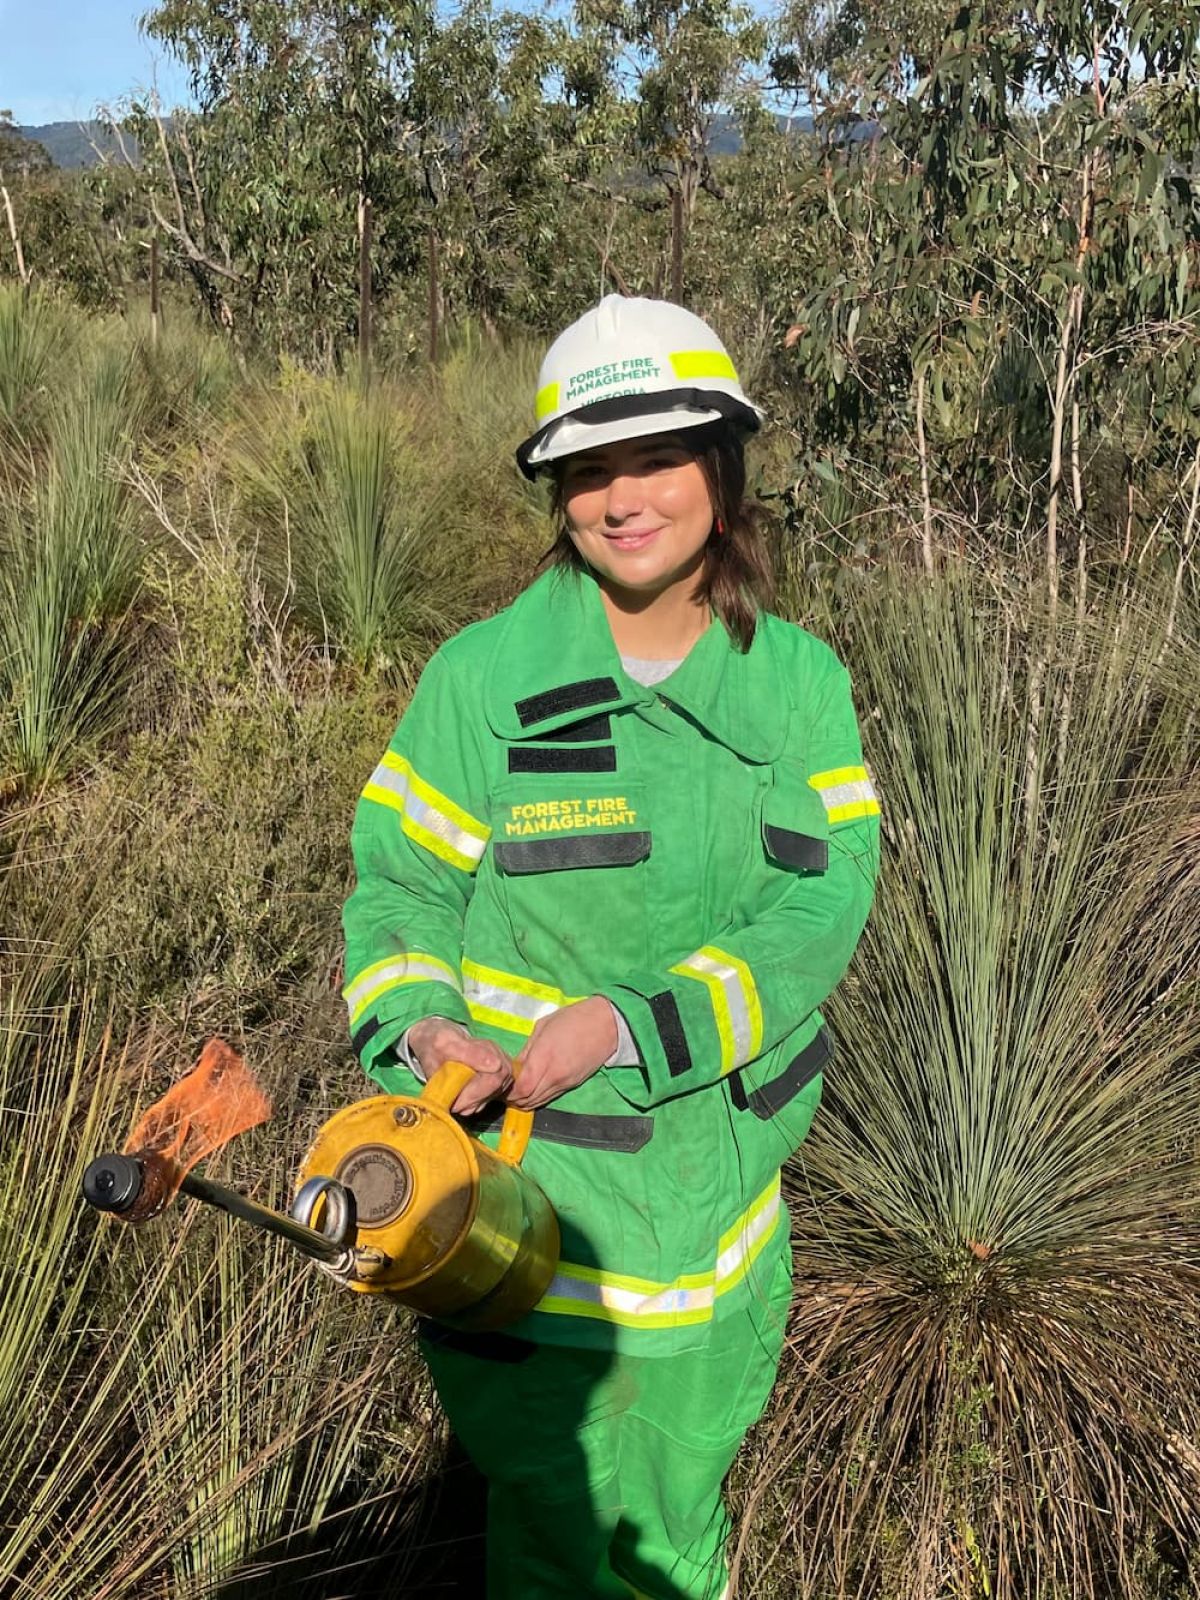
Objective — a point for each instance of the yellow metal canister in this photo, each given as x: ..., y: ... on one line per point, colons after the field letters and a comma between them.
x: 442, y: 1223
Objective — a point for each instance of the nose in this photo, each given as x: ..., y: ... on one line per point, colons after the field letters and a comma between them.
x: 625, y: 498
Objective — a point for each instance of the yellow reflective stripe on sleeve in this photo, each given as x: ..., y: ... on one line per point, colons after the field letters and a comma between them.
x: 737, y: 1010
x: 703, y: 364
x: 578, y: 1291
x: 413, y: 967
x: 546, y: 401
x: 427, y: 816
x: 507, y: 999
x: 846, y: 793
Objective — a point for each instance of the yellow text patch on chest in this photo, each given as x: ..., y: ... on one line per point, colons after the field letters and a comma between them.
x: 569, y: 816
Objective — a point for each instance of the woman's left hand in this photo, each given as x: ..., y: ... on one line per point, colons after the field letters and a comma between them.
x: 565, y: 1049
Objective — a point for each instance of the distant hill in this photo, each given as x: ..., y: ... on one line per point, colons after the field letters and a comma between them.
x: 67, y: 142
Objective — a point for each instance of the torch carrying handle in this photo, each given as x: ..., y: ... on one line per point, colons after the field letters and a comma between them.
x: 444, y: 1088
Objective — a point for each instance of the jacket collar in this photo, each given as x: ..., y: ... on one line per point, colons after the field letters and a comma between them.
x: 555, y: 663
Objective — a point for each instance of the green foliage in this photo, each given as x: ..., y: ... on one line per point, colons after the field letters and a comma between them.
x: 71, y: 567
x: 996, y: 1221
x: 1006, y: 308
x: 347, y: 523
x: 32, y: 330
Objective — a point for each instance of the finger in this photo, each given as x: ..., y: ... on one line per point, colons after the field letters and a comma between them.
x: 530, y: 1089
x: 487, y: 1085
x: 471, y: 1101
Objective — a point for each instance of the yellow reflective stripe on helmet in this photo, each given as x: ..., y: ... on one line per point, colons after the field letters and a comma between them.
x: 546, y: 400
x: 846, y: 793
x: 703, y: 364
x: 736, y: 1006
x: 615, y: 1297
x: 413, y: 967
x: 507, y: 999
x: 427, y: 816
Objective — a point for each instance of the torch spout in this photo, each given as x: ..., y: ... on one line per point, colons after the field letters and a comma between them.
x: 125, y: 1185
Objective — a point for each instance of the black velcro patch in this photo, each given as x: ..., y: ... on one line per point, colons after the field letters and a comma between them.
x: 665, y: 1011
x: 362, y: 1038
x: 622, y: 1135
x: 588, y: 730
x: 567, y: 697
x: 796, y: 849
x: 576, y: 850
x: 547, y: 758
x: 771, y: 1097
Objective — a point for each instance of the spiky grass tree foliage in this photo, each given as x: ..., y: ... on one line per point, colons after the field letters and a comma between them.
x: 33, y: 331
x: 180, y: 1405
x: 70, y: 565
x: 993, y: 1379
x: 348, y: 521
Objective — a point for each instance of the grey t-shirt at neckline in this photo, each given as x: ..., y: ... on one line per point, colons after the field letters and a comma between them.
x: 647, y: 672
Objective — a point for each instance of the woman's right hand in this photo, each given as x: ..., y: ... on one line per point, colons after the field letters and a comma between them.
x: 435, y: 1040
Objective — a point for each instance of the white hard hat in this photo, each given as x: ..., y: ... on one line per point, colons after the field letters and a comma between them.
x: 629, y: 368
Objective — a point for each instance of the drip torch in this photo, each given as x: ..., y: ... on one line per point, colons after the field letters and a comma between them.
x: 393, y: 1198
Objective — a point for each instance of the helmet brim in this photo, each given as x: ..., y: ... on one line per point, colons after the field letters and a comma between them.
x: 634, y: 416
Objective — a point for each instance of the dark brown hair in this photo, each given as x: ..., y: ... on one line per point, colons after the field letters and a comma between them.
x: 739, y: 579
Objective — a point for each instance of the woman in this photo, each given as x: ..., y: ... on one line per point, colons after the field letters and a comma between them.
x: 619, y: 851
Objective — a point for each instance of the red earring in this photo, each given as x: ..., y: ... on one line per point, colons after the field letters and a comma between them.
x: 719, y: 527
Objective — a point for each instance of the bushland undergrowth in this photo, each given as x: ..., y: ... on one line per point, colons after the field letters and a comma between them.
x: 994, y: 1351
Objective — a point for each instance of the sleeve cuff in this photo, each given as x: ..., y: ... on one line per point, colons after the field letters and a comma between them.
x: 626, y: 1052
x: 404, y: 1050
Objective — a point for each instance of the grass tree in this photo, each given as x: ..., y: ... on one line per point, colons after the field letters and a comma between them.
x: 995, y: 1352
x: 349, y: 522
x: 32, y: 332
x: 70, y: 567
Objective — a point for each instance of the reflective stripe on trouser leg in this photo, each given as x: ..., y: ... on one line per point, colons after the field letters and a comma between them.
x: 605, y: 1470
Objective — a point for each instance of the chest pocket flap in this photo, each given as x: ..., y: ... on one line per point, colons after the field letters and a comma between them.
x: 795, y: 828
x: 544, y: 824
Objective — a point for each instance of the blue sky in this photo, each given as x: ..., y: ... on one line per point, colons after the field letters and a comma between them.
x: 59, y: 58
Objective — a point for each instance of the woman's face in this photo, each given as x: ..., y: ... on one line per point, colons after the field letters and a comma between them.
x: 639, y: 512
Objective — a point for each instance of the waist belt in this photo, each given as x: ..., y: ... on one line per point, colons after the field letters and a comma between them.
x: 630, y: 1134
x: 623, y: 1134
x: 772, y: 1096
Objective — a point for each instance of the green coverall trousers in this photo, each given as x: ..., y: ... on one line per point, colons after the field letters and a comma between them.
x: 605, y: 1470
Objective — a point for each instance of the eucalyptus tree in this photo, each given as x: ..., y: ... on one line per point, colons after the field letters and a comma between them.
x: 1009, y: 298
x: 265, y: 189
x: 678, y: 68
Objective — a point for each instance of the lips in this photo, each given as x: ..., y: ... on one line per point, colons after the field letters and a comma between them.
x: 632, y: 538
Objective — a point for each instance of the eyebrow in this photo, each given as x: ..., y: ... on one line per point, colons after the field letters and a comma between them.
x: 639, y: 446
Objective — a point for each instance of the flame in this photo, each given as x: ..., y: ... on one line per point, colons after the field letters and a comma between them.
x: 217, y: 1100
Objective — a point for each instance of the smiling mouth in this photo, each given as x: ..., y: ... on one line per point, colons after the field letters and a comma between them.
x: 632, y: 538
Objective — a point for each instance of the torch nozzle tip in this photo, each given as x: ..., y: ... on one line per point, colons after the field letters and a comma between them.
x: 112, y: 1182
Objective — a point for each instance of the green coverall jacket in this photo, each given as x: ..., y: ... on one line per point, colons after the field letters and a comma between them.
x: 703, y: 853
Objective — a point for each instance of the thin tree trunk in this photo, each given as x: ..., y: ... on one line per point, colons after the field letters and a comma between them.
x: 1185, y: 551
x: 364, y: 287
x: 1076, y: 474
x: 677, y: 247
x: 22, y: 271
x: 923, y: 453
x: 1072, y: 325
x: 435, y: 301
x: 1128, y: 545
x: 1058, y: 414
x: 155, y: 306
